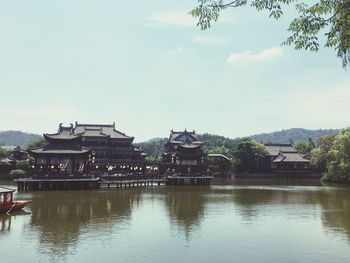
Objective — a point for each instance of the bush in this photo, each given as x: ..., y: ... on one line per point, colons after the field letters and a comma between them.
x: 18, y: 173
x: 23, y: 165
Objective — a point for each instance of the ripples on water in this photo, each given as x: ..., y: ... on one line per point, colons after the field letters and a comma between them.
x: 231, y: 221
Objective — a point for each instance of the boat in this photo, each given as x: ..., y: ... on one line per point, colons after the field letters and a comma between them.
x: 7, y: 204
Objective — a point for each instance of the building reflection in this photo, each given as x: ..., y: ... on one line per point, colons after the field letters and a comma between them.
x: 61, y: 217
x: 334, y: 203
x: 6, y: 220
x: 335, y: 210
x: 5, y: 223
x: 186, y: 206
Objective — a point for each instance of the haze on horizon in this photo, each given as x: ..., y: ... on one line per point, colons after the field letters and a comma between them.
x: 151, y: 70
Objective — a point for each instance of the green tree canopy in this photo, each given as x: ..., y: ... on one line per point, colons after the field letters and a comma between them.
x: 305, y: 148
x: 339, y: 163
x: 328, y: 17
x: 35, y: 143
x: 4, y: 153
x: 247, y: 154
x: 320, y: 155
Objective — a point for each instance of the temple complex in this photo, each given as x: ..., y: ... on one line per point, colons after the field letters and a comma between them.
x: 111, y: 148
x: 184, y: 160
x: 61, y: 164
x: 62, y: 153
x: 285, y: 158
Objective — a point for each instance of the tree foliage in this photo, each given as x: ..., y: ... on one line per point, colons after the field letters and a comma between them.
x: 328, y: 17
x: 153, y: 148
x: 14, y: 174
x: 4, y: 153
x: 14, y: 138
x: 305, y: 148
x: 339, y: 158
x: 247, y: 155
x: 35, y: 143
x: 23, y: 165
x: 320, y: 155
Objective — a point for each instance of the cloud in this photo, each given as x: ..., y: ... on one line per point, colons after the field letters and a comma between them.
x: 173, y: 52
x: 210, y: 39
x: 250, y: 57
x: 182, y: 18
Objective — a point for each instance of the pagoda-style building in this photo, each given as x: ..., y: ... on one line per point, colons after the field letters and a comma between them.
x: 284, y: 159
x: 112, y: 149
x: 62, y: 163
x: 184, y: 160
x: 62, y: 153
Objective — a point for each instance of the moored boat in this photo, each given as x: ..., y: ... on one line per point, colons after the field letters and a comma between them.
x: 7, y: 204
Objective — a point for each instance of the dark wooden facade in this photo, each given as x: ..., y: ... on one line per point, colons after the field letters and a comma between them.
x: 6, y: 165
x: 62, y: 154
x: 184, y: 160
x: 112, y: 150
x: 61, y: 164
x: 284, y: 158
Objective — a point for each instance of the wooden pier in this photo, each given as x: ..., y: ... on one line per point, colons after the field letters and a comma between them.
x: 48, y: 184
x: 188, y: 180
x: 109, y: 181
x: 103, y: 183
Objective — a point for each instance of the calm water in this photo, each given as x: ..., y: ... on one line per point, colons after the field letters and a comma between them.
x: 227, y: 222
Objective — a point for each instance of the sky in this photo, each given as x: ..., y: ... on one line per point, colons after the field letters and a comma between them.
x: 150, y: 69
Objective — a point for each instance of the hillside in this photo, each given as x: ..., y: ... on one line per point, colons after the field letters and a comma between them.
x: 221, y: 144
x: 17, y: 137
x: 295, y: 134
x: 215, y: 143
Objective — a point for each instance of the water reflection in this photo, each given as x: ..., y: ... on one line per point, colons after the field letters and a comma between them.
x: 5, y: 225
x: 67, y: 223
x: 331, y: 203
x: 6, y: 220
x: 186, y: 206
x: 61, y: 217
x: 335, y: 210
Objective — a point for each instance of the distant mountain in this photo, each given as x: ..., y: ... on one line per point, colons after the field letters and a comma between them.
x: 295, y: 134
x: 17, y: 137
x: 221, y: 144
x: 215, y: 143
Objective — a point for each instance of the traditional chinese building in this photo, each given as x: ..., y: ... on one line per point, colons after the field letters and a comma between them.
x: 111, y: 148
x: 62, y: 153
x: 284, y: 157
x: 184, y: 160
x: 62, y: 163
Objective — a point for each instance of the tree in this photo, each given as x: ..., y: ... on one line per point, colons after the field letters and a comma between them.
x: 248, y: 153
x: 320, y: 154
x: 339, y: 158
x: 329, y: 16
x: 4, y: 153
x: 35, y: 143
x: 305, y: 148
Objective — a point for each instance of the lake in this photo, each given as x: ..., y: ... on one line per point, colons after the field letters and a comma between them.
x: 230, y: 221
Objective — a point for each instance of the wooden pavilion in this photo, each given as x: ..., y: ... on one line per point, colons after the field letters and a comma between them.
x: 184, y: 160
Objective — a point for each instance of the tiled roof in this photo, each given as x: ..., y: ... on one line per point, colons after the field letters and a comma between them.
x: 190, y: 146
x: 292, y: 157
x: 6, y: 162
x: 63, y: 133
x: 275, y: 149
x: 6, y: 190
x: 184, y: 137
x: 99, y: 130
x: 59, y: 151
x: 218, y: 155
